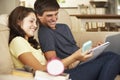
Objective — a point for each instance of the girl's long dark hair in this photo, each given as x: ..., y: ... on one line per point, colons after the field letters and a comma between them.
x: 18, y: 14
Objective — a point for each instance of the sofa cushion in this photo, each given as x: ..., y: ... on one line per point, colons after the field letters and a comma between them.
x: 63, y: 17
x: 12, y: 77
x: 6, y: 65
x: 4, y: 19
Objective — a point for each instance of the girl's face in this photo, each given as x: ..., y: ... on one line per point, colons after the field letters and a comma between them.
x: 29, y: 25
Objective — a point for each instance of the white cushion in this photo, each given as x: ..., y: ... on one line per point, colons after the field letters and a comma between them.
x: 6, y: 64
x: 4, y: 19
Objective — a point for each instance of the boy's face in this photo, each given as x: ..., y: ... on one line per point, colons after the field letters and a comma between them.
x: 49, y: 18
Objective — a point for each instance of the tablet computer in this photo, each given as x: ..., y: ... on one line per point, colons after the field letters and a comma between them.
x: 97, y: 51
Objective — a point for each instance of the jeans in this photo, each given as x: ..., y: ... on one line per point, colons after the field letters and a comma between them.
x: 104, y: 67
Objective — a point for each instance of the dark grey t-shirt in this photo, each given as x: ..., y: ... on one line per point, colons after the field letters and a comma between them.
x: 61, y: 40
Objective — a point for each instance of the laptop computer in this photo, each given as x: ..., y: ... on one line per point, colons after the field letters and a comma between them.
x: 114, y: 43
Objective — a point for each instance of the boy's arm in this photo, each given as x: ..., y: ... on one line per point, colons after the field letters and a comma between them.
x: 50, y: 55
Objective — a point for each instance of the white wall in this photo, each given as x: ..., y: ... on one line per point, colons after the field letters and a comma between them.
x: 6, y: 6
x: 74, y: 3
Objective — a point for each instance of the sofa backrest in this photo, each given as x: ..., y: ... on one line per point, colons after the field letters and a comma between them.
x: 3, y: 19
x: 95, y: 37
x: 6, y: 65
x: 64, y: 17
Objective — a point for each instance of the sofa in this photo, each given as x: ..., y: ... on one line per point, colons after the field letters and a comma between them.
x: 7, y: 71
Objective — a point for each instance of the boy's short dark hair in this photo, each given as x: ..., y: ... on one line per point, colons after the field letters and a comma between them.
x: 41, y: 6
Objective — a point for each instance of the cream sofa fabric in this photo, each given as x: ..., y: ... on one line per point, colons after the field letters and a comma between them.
x: 3, y: 19
x: 12, y: 77
x: 63, y: 17
x: 95, y: 37
x: 6, y: 64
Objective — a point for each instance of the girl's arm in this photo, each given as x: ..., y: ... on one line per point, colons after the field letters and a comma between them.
x: 28, y: 59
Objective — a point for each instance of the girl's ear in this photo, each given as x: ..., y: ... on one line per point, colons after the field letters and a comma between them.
x: 19, y: 22
x: 39, y: 17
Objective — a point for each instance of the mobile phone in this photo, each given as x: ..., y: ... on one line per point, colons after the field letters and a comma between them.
x: 87, y: 46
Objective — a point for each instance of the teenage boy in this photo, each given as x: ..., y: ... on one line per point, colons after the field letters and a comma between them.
x: 56, y: 40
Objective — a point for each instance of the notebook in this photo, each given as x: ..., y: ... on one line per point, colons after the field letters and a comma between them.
x: 114, y: 43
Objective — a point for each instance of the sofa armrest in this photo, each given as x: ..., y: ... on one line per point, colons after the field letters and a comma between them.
x: 14, y: 77
x: 17, y: 75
